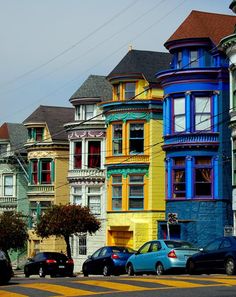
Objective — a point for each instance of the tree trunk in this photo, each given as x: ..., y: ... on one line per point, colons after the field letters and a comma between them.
x: 68, y: 249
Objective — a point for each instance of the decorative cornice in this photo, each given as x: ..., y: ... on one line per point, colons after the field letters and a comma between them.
x: 86, y: 134
x: 125, y: 116
x: 126, y: 171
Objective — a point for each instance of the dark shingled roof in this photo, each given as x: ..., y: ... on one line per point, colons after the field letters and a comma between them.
x: 145, y: 63
x: 205, y: 25
x: 16, y: 134
x: 55, y: 117
x: 95, y: 86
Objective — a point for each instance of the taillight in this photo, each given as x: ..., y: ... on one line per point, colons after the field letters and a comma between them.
x: 70, y: 261
x: 49, y: 261
x: 172, y: 254
x: 115, y: 256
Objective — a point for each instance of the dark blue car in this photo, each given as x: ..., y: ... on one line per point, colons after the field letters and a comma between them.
x: 107, y: 260
x: 218, y: 256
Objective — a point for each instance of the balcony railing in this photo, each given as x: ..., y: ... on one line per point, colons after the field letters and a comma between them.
x: 83, y: 173
x: 40, y: 188
x: 196, y: 138
x: 8, y: 200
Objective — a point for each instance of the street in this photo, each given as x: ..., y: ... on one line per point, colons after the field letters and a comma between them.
x: 137, y: 286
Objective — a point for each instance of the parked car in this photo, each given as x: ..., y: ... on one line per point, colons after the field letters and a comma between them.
x: 49, y: 263
x: 218, y: 256
x: 159, y: 256
x: 107, y: 260
x: 6, y: 271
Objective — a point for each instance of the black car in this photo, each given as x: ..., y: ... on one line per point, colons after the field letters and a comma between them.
x: 218, y: 256
x: 107, y: 260
x: 49, y: 263
x: 5, y: 269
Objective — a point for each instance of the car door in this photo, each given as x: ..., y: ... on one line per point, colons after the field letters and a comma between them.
x: 225, y: 248
x: 208, y: 259
x: 91, y: 262
x: 104, y: 258
x: 140, y: 260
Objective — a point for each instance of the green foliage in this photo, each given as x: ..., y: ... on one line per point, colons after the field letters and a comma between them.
x: 13, y: 230
x: 66, y: 220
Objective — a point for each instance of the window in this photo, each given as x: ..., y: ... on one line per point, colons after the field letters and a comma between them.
x: 41, y: 171
x: 94, y: 154
x: 129, y: 90
x: 145, y: 248
x: 116, y: 192
x: 136, y: 191
x: 179, y: 184
x: 136, y: 138
x: 203, y: 179
x: 89, y: 111
x: 94, y: 200
x: 193, y: 58
x: 46, y: 172
x: 77, y: 195
x: 8, y: 185
x: 117, y: 91
x: 202, y: 113
x: 82, y: 244
x: 179, y: 60
x: 117, y: 139
x: 179, y: 115
x: 77, y: 155
x: 36, y: 133
x: 77, y: 113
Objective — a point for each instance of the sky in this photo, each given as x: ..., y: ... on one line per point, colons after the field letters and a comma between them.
x: 50, y: 47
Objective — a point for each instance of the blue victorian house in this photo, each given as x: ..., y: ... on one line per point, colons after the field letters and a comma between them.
x: 196, y: 134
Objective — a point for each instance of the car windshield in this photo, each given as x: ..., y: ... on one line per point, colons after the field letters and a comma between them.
x: 56, y: 256
x: 179, y: 244
x: 122, y: 250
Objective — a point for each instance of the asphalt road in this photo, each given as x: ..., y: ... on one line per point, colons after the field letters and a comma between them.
x: 137, y: 286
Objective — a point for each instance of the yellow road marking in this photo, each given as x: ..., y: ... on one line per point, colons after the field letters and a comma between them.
x: 217, y: 279
x: 10, y: 294
x: 113, y: 285
x: 66, y: 291
x: 169, y: 282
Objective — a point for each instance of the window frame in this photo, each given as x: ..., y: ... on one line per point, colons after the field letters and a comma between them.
x: 193, y: 60
x: 137, y: 197
x: 202, y: 183
x: 179, y: 168
x: 97, y: 210
x: 129, y: 90
x: 10, y: 186
x: 117, y: 141
x: 181, y: 114
x: 134, y: 139
x: 202, y: 113
x: 117, y: 185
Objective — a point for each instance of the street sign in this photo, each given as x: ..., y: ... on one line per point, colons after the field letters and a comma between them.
x: 172, y: 218
x: 228, y: 230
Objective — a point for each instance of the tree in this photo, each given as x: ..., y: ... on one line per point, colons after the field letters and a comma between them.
x: 65, y: 221
x: 13, y: 231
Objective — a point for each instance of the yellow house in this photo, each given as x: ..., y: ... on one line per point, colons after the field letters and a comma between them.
x: 134, y: 157
x: 48, y: 156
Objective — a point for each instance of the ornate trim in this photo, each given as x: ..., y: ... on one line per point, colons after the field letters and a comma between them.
x: 126, y: 171
x: 129, y: 116
x: 84, y: 134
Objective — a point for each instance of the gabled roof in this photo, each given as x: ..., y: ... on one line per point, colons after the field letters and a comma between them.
x: 201, y: 24
x: 95, y: 86
x: 55, y: 117
x: 16, y: 134
x: 145, y: 63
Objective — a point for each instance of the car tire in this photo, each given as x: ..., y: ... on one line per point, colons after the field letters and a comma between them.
x: 159, y: 269
x: 41, y: 272
x: 26, y: 272
x: 191, y: 268
x: 85, y: 271
x: 230, y: 266
x: 130, y: 269
x: 106, y: 270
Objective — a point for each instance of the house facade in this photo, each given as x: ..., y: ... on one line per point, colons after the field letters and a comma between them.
x: 196, y: 135
x: 48, y: 155
x: 228, y: 45
x: 87, y: 174
x: 134, y: 158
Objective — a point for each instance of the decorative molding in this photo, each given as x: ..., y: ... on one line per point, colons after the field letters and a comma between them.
x: 126, y: 171
x: 86, y: 134
x: 129, y: 116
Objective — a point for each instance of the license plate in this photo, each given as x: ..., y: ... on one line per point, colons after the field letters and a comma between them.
x: 61, y: 266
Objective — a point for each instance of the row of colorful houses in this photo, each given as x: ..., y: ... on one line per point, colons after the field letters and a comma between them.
x: 148, y: 142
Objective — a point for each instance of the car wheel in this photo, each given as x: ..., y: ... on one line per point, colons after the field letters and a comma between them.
x: 159, y: 269
x: 41, y: 272
x: 106, y: 270
x: 130, y: 270
x: 191, y: 269
x: 230, y: 266
x: 26, y: 272
x: 85, y: 271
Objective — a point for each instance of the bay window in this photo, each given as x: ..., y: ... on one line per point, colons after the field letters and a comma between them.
x: 77, y: 155
x: 117, y: 139
x: 46, y: 172
x: 179, y: 115
x: 202, y: 113
x: 136, y: 138
x: 94, y: 154
x: 129, y: 90
x: 136, y: 192
x: 116, y: 192
x: 41, y: 171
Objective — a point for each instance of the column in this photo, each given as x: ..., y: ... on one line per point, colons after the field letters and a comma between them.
x: 167, y: 119
x: 164, y: 117
x: 215, y: 116
x: 188, y: 177
x: 188, y: 111
x: 215, y: 179
x: 169, y: 178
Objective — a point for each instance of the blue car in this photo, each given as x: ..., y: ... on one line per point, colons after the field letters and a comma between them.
x: 159, y: 256
x: 107, y: 260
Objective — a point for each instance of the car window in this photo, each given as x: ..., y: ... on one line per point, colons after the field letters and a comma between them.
x: 104, y: 251
x: 225, y: 244
x: 2, y: 255
x: 145, y: 248
x: 214, y: 245
x: 95, y: 255
x: 178, y: 244
x: 39, y: 257
x: 156, y: 246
